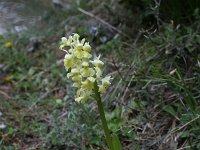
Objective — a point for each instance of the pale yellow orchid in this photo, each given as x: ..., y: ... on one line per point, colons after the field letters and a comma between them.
x: 83, y: 71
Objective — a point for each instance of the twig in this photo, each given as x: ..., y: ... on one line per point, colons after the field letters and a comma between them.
x: 5, y: 95
x: 182, y: 148
x: 91, y: 147
x: 179, y: 128
x: 103, y: 22
x: 117, y: 68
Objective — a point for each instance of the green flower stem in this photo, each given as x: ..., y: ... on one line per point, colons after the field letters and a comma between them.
x: 102, y: 116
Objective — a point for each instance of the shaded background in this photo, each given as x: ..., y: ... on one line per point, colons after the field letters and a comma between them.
x: 150, y: 48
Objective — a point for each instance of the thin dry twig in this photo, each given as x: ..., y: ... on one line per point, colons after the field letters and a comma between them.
x: 183, y: 126
x: 117, y: 69
x: 5, y: 95
x: 104, y: 22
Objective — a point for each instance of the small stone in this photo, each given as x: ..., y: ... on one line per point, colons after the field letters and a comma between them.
x: 2, y: 126
x: 34, y: 43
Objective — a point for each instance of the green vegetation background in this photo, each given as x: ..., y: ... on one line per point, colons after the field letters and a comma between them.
x: 151, y: 48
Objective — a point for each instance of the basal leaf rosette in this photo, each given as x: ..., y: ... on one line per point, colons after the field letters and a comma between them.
x: 82, y: 69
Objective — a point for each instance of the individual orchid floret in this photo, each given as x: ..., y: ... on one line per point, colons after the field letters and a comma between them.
x: 105, y: 84
x: 87, y: 47
x: 87, y: 85
x: 77, y: 78
x: 87, y: 72
x: 97, y: 62
x: 76, y: 36
x: 80, y: 99
x: 68, y: 61
x: 64, y: 40
x: 73, y: 72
